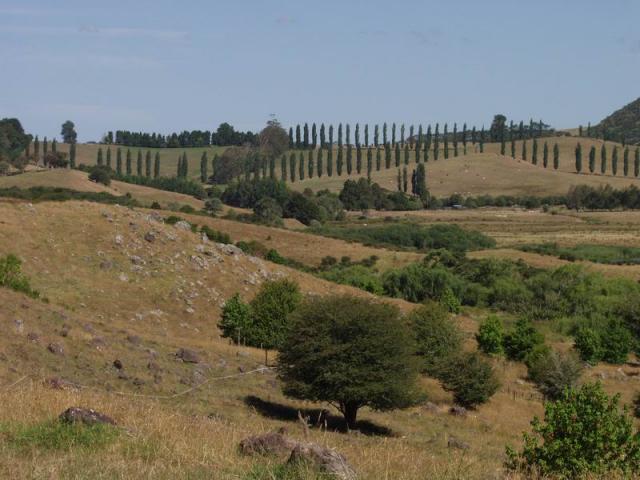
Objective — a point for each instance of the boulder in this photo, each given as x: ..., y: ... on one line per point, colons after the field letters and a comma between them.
x: 187, y: 355
x: 86, y: 416
x: 273, y: 443
x: 454, y: 442
x: 150, y: 236
x: 458, y: 411
x: 182, y: 225
x: 55, y: 348
x: 323, y: 459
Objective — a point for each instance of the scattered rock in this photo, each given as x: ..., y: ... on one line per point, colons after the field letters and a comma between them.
x: 150, y: 236
x: 138, y: 382
x: 458, y: 411
x: 33, y: 337
x: 273, y: 443
x: 324, y: 459
x: 187, y: 355
x: 117, y: 364
x: 183, y: 225
x: 431, y: 407
x: 454, y: 442
x: 86, y: 416
x: 134, y: 339
x: 64, y: 331
x: 55, y: 348
x: 123, y: 277
x: 19, y: 326
x: 58, y: 383
x: 106, y: 265
x: 119, y: 240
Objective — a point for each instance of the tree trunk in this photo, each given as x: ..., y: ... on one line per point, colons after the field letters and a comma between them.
x: 350, y: 412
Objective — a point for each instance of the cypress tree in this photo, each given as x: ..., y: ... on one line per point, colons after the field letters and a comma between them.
x: 455, y: 139
x: 556, y: 156
x: 405, y: 179
x: 291, y: 141
x: 310, y: 165
x: 534, y: 152
x: 387, y: 156
x: 578, y: 158
x: 411, y: 136
x: 348, y: 134
x: 384, y: 133
x: 339, y: 135
x: 406, y: 154
x: 614, y: 161
x: 418, y: 149
x: 119, y: 161
x: 589, y: 129
x: 139, y: 163
x: 481, y: 141
x: 108, y: 155
x: 330, y: 162
x: 402, y: 134
x: 625, y: 162
x: 369, y: 163
x: 636, y: 163
x: 366, y: 135
x: 272, y: 167
x: 474, y: 136
x: 129, y: 170
x: 592, y: 159
x: 214, y: 164
x: 397, y: 154
x: 185, y: 165
x: 72, y: 154
x: 376, y: 135
x: 357, y: 135
x: 36, y: 150
x: 399, y: 180
x: 603, y: 159
x: 147, y: 165
x: 358, y: 159
x: 349, y: 158
x: 436, y: 141
x: 464, y: 137
x: 427, y: 143
x: 513, y: 147
x: 319, y: 163
x: 292, y: 167
x: 521, y: 131
x: 393, y: 134
x: 305, y: 141
x: 283, y: 168
x: 99, y: 161
x: 323, y: 137
x: 314, y: 136
x: 156, y: 166
x: 339, y: 162
x: 54, y: 146
x: 378, y: 159
x: 45, y: 147
x: 445, y: 137
x: 524, y: 149
x: 178, y: 167
x: 298, y: 138
x: 545, y: 155
x: 503, y: 145
x: 301, y: 167
x: 204, y: 165
x: 330, y: 137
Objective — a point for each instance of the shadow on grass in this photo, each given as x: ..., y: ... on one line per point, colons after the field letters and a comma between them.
x: 317, y: 417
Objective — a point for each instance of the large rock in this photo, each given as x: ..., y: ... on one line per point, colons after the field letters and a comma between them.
x: 86, y: 416
x: 273, y: 443
x: 183, y: 225
x: 324, y: 459
x: 187, y: 355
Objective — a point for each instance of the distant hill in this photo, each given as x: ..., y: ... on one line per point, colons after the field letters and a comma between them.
x: 623, y: 124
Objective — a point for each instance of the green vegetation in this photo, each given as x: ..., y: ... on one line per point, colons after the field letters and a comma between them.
x: 609, y: 254
x: 56, y: 435
x: 58, y: 194
x: 317, y: 360
x: 11, y: 276
x: 554, y: 372
x: 490, y: 336
x: 584, y: 432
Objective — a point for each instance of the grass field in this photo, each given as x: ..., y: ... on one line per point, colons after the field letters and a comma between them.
x: 102, y: 306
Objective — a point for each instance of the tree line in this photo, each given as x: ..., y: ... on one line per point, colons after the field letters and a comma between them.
x: 602, y: 158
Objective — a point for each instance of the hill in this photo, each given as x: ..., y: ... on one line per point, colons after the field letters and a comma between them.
x: 624, y: 123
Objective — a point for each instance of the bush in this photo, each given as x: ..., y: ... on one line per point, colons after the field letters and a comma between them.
x: 470, y: 378
x: 235, y: 321
x: 490, y: 336
x: 100, y: 174
x: 268, y: 211
x: 213, y: 206
x: 554, y: 372
x: 351, y: 352
x: 4, y: 168
x: 616, y: 341
x: 583, y: 432
x: 215, y: 235
x: 437, y: 337
x: 187, y: 209
x: 522, y: 340
x: 12, y: 277
x: 587, y: 343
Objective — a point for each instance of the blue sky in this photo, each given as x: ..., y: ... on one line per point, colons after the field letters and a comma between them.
x: 167, y: 65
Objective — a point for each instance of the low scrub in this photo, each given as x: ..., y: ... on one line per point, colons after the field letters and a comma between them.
x: 56, y: 435
x: 11, y: 276
x: 58, y: 194
x: 609, y: 254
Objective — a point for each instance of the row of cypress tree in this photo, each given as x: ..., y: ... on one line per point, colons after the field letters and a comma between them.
x: 604, y: 160
x: 143, y: 168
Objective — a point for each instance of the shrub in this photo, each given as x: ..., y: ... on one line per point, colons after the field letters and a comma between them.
x: 213, y: 206
x: 268, y: 211
x: 616, y: 342
x: 519, y: 342
x: 4, y: 168
x: 583, y: 432
x: 253, y: 247
x: 351, y: 352
x: 100, y: 174
x: 490, y: 336
x: 437, y: 337
x: 215, y: 235
x: 302, y: 208
x: 469, y: 377
x: 554, y: 372
x: 235, y: 321
x: 156, y: 206
x: 187, y: 209
x: 11, y: 276
x: 587, y: 343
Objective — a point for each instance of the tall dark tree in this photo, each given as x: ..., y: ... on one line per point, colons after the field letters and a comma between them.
x: 369, y: 163
x: 349, y: 159
x: 474, y: 136
x: 412, y: 139
x: 578, y: 157
x: 513, y: 147
x: 45, y: 147
x: 455, y: 139
x: 147, y: 166
x: 524, y: 150
x: 464, y: 137
x: 498, y: 125
x: 399, y: 180
x: 387, y: 156
x: 292, y: 167
x: 397, y: 154
x: 68, y: 132
x: 204, y: 166
x: 521, y: 130
x: 405, y: 179
x: 402, y: 134
x: 406, y: 154
x: 108, y: 155
x: 310, y: 164
x: 358, y: 159
x: 592, y: 159
x: 156, y: 166
x: 393, y: 134
x: 330, y: 162
x: 291, y: 140
x: 320, y: 163
x: 119, y: 161
x: 305, y: 138
x: 330, y: 137
x: 445, y: 141
x: 534, y: 152
x: 436, y: 141
x: 339, y: 161
x: 603, y: 159
x: 99, y: 160
x: 54, y: 146
x: 357, y: 135
x: 36, y: 150
x: 283, y: 168
x: 556, y: 156
x: 376, y: 136
x: 215, y: 162
x: 378, y: 159
x: 339, y: 135
x: 636, y: 163
x: 301, y: 166
x: 427, y: 143
x: 614, y: 161
x: 545, y: 155
x: 323, y: 136
x: 348, y: 133
x: 589, y: 130
x: 314, y: 136
x: 420, y: 183
x: 185, y: 165
x: 625, y: 162
x: 366, y: 135
x: 298, y: 137
x: 384, y: 133
x: 139, y: 163
x: 72, y: 155
x: 129, y: 169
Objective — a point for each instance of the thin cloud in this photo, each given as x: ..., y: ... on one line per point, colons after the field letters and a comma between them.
x: 111, y: 32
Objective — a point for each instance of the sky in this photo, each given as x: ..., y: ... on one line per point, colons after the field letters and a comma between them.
x: 164, y: 66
